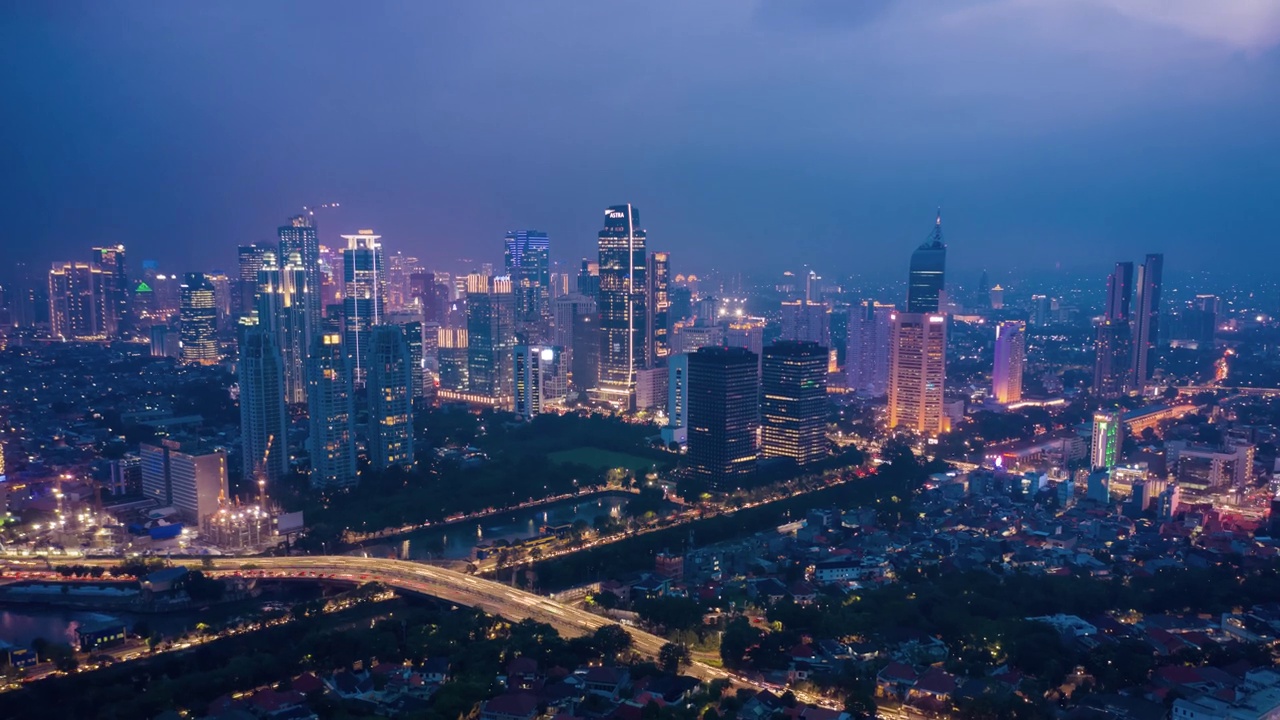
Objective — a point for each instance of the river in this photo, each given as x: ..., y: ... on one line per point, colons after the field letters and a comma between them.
x: 458, y: 541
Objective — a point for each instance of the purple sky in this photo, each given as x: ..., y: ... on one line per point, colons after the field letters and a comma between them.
x: 751, y: 135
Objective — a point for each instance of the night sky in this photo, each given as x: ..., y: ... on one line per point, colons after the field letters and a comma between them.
x: 752, y: 135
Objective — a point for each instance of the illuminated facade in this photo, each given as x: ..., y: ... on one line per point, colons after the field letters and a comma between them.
x: 528, y: 263
x: 917, y: 372
x: 390, y: 399
x: 621, y: 303
x: 451, y: 356
x: 249, y: 261
x: 300, y: 237
x: 793, y: 402
x: 806, y: 321
x: 867, y: 354
x: 76, y: 303
x: 1146, y: 320
x: 1113, y: 346
x: 658, y: 305
x: 364, y: 297
x: 928, y: 273
x: 115, y: 308
x: 282, y: 310
x: 723, y: 414
x: 330, y: 406
x: 1010, y: 359
x: 1108, y: 434
x: 491, y: 336
x: 198, y: 317
x: 540, y: 378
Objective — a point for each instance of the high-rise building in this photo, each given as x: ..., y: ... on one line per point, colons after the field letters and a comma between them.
x: 430, y: 296
x: 917, y: 372
x: 867, y: 357
x: 415, y: 338
x: 364, y: 297
x: 723, y: 416
x: 540, y: 378
x: 115, y: 311
x: 623, y: 265
x: 1146, y: 319
x: 451, y: 355
x: 300, y: 236
x: 263, y: 418
x: 186, y: 476
x: 1040, y: 310
x: 390, y: 398
x: 330, y: 405
x: 400, y: 268
x: 1112, y: 348
x: 746, y: 332
x: 658, y: 305
x: 250, y: 259
x: 567, y: 309
x: 584, y: 367
x: 1108, y: 434
x: 793, y: 401
x: 76, y: 301
x: 928, y: 273
x: 806, y: 321
x: 198, y: 315
x: 491, y: 336
x: 222, y: 298
x: 1010, y: 358
x: 589, y: 279
x: 528, y: 263
x: 282, y: 311
x: 677, y: 429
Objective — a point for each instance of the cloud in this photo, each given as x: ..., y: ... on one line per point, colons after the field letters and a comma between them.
x: 1252, y: 25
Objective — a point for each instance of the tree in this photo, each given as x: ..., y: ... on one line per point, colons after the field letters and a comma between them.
x: 672, y: 657
x: 738, y: 637
x: 612, y: 641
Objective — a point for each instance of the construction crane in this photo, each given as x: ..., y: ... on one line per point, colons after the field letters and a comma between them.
x: 260, y: 472
x: 310, y: 210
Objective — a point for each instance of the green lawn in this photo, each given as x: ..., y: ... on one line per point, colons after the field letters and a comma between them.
x: 601, y: 459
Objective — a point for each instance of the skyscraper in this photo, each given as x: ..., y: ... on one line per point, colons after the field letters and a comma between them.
x: 658, y: 304
x: 589, y: 279
x: 1146, y: 320
x: 1010, y: 358
x: 1108, y: 434
x: 623, y: 264
x: 116, y: 318
x: 282, y: 311
x: 867, y: 357
x: 917, y: 372
x: 928, y: 273
x: 793, y: 404
x: 263, y: 419
x: 528, y: 263
x: 451, y: 354
x: 185, y: 476
x: 540, y: 378
x: 723, y: 416
x: 806, y: 321
x: 198, y: 315
x: 1113, y: 353
x: 677, y: 427
x: 364, y: 297
x: 300, y: 236
x: 330, y: 405
x: 491, y: 335
x: 75, y: 301
x: 250, y: 259
x: 390, y: 399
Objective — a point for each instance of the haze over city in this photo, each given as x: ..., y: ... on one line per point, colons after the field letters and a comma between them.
x: 752, y: 133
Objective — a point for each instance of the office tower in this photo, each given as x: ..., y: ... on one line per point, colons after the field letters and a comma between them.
x: 806, y: 321
x: 126, y: 475
x: 415, y: 338
x: 584, y: 358
x: 928, y: 273
x: 282, y: 311
x: 589, y: 279
x: 839, y: 322
x: 115, y: 314
x: 1010, y: 358
x: 1040, y: 310
x: 185, y: 476
x: 263, y: 419
x: 1146, y: 320
x: 300, y: 236
x: 330, y: 405
x: 430, y: 296
x: 364, y: 297
x: 390, y: 399
x: 451, y: 356
x: 221, y: 297
x: 723, y: 416
x: 677, y: 428
x: 567, y: 309
x: 745, y: 332
x: 400, y: 268
x: 621, y: 303
x: 539, y: 379
x: 658, y: 304
x: 250, y: 258
x: 917, y: 372
x: 198, y: 315
x: 996, y: 297
x: 689, y: 337
x: 1108, y: 434
x: 75, y: 301
x: 528, y: 262
x: 867, y: 357
x: 793, y: 402
x: 1200, y: 321
x: 1112, y: 352
x: 491, y: 335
